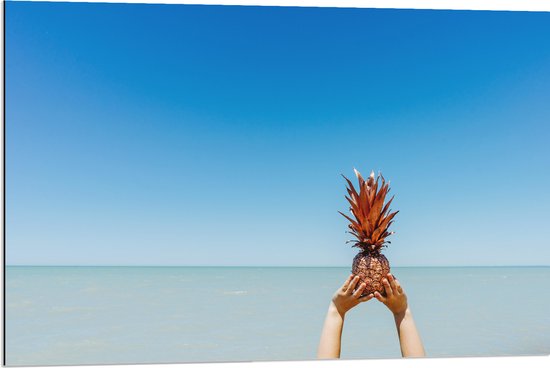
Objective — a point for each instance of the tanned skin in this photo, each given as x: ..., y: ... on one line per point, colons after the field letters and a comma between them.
x: 345, y: 298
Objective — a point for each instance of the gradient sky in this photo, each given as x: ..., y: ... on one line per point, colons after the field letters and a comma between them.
x: 214, y: 135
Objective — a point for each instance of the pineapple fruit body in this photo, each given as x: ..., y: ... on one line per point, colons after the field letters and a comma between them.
x: 371, y: 268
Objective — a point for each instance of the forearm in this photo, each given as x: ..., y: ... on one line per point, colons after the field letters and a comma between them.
x: 331, y: 336
x: 409, y: 339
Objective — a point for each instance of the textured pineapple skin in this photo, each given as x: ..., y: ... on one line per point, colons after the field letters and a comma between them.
x: 371, y: 269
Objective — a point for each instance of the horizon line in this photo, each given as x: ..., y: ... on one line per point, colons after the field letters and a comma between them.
x: 259, y: 266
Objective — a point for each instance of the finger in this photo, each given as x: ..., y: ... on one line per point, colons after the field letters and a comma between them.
x: 346, y: 284
x: 387, y: 287
x: 357, y: 293
x: 393, y: 283
x: 399, y: 288
x: 352, y: 285
x: 366, y: 298
x: 379, y: 296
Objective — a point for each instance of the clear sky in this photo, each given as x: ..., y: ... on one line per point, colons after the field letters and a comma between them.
x: 214, y: 135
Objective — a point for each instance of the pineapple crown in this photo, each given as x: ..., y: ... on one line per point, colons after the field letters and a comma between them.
x: 372, y: 217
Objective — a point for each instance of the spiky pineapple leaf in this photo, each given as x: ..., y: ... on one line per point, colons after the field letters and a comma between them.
x: 372, y: 214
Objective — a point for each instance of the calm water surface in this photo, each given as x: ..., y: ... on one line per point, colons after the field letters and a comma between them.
x: 110, y: 315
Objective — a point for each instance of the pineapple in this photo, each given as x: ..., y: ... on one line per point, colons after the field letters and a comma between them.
x: 370, y: 227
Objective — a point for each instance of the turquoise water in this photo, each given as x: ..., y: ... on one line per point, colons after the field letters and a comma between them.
x: 109, y: 315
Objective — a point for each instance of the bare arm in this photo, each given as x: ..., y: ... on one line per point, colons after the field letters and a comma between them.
x: 409, y: 339
x: 343, y: 300
x: 329, y: 346
x: 396, y: 301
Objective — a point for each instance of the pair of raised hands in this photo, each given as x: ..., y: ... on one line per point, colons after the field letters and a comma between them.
x: 349, y: 295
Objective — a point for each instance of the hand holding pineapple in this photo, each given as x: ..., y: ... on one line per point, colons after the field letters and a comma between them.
x: 395, y: 299
x: 349, y: 295
x: 346, y: 297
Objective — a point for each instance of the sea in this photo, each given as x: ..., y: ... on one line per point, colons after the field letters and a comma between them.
x: 119, y: 315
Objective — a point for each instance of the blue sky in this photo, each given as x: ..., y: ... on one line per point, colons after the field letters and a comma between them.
x: 213, y: 135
